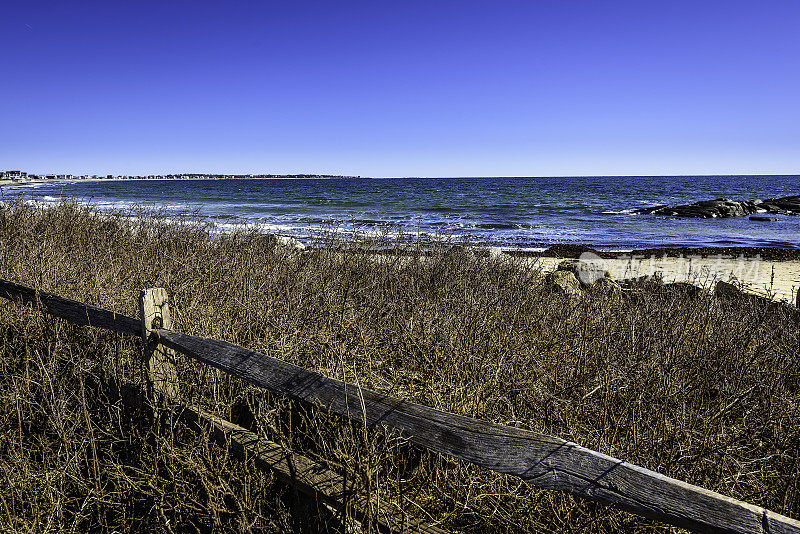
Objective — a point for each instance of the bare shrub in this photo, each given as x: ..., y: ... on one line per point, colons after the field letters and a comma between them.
x: 701, y: 389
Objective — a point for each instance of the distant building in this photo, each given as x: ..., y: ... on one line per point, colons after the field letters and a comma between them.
x: 17, y: 176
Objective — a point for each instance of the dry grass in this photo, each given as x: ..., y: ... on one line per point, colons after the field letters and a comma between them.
x: 702, y: 389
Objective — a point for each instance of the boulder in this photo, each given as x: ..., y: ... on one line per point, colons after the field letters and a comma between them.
x: 564, y: 283
x: 684, y: 289
x: 289, y: 242
x: 488, y: 252
x: 727, y: 290
x: 609, y: 288
x: 762, y: 218
x: 733, y: 293
x: 770, y: 208
x: 588, y: 269
x: 495, y: 252
x: 570, y: 265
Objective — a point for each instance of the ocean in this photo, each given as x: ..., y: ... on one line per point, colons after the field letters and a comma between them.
x: 511, y: 213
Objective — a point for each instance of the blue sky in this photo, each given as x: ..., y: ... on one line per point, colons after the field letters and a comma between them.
x: 401, y: 88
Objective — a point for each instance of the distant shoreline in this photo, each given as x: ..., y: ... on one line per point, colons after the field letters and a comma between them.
x: 11, y: 183
x: 5, y: 183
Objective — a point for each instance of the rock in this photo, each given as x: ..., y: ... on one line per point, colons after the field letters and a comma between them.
x: 488, y: 252
x: 726, y: 289
x: 725, y: 207
x: 289, y: 242
x: 570, y: 265
x: 733, y: 293
x: 789, y: 204
x: 762, y: 218
x: 684, y: 289
x: 609, y: 288
x: 567, y: 251
x: 564, y: 283
x: 588, y: 269
x: 495, y: 252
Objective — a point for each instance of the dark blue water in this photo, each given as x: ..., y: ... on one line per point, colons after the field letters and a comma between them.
x: 529, y: 213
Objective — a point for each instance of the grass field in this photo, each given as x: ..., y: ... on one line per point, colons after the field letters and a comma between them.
x: 703, y: 389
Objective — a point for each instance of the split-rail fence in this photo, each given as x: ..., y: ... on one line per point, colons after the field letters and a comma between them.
x: 543, y: 461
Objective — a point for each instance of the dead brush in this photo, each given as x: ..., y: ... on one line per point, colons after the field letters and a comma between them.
x: 698, y: 388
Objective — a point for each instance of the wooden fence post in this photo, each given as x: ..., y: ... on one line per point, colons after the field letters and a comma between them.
x: 161, y: 373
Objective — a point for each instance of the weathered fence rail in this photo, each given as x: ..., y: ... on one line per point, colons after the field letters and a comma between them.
x: 309, y: 477
x: 543, y: 461
x: 75, y: 312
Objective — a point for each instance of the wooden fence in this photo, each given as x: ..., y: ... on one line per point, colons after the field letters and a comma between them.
x: 543, y: 461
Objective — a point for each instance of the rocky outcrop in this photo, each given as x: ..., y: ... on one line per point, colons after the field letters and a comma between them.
x: 725, y: 207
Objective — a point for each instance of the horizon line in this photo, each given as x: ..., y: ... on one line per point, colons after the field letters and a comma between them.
x: 314, y: 174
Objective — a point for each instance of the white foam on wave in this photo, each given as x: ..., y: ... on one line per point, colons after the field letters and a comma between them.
x: 525, y: 249
x: 620, y: 212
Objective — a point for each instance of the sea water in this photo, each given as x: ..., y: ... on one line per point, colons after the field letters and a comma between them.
x: 512, y: 213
